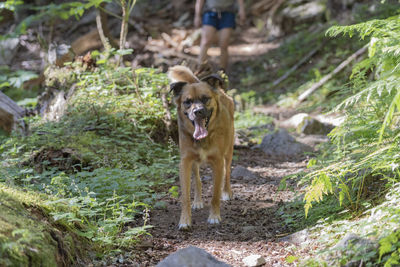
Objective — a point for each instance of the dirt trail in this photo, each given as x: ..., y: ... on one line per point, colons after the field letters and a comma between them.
x: 250, y: 224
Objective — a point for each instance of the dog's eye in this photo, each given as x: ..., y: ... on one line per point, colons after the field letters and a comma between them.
x: 187, y: 102
x: 205, y: 99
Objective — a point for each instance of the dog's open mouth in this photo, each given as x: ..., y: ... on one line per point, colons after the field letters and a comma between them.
x: 200, y: 128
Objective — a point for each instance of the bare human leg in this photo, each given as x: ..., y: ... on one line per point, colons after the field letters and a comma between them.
x: 207, y: 36
x: 224, y: 39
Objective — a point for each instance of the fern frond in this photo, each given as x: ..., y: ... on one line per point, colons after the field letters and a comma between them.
x: 389, y: 114
x: 378, y: 87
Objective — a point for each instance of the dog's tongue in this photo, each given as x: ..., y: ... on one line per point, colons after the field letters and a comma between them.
x: 200, y: 130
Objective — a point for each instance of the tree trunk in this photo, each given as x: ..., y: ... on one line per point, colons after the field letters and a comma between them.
x: 11, y: 115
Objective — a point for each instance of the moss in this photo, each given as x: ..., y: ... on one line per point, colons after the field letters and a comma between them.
x: 27, y: 236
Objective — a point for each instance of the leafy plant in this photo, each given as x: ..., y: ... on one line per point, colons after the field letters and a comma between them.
x: 365, y: 146
x: 103, y: 163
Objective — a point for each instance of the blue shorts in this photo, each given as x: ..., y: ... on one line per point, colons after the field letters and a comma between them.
x: 219, y: 20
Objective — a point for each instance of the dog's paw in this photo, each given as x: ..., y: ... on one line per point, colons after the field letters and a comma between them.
x: 184, y: 227
x: 226, y: 196
x: 214, y: 219
x: 197, y: 205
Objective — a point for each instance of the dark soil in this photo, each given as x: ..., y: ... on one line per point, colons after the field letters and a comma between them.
x: 250, y: 223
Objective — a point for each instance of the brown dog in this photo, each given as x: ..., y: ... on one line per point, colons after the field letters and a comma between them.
x: 206, y: 131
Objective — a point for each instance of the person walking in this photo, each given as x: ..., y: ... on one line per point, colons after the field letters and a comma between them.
x: 218, y: 18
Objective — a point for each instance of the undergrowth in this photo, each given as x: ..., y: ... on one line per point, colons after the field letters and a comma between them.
x: 106, y: 161
x: 361, y: 164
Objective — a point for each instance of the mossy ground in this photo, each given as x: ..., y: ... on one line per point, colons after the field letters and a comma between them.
x: 29, y: 237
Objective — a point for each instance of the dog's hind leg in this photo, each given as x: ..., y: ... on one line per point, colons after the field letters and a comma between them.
x: 185, y: 171
x: 227, y: 191
x: 218, y: 176
x: 198, y: 201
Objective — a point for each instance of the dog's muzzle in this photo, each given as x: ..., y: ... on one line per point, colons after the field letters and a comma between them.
x: 200, y: 121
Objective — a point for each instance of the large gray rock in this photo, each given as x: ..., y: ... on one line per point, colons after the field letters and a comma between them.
x: 282, y: 145
x: 191, y: 257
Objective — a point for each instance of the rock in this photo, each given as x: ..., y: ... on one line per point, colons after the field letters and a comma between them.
x: 311, y: 11
x: 55, y: 109
x: 282, y: 145
x: 354, y: 247
x: 332, y: 119
x: 306, y: 124
x: 8, y: 48
x: 354, y: 240
x: 254, y: 260
x: 294, y: 121
x: 249, y: 228
x: 242, y: 172
x: 297, y: 238
x: 191, y: 257
x: 60, y: 54
x: 313, y: 126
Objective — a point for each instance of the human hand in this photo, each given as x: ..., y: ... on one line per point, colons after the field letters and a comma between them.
x: 197, y: 21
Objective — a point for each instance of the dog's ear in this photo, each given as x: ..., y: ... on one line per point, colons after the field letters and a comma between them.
x: 215, y: 81
x: 177, y: 88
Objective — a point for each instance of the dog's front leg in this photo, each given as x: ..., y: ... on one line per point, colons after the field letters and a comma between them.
x: 185, y: 170
x: 198, y: 201
x: 218, y: 174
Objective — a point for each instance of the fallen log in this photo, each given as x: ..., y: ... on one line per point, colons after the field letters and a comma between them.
x: 327, y: 77
x: 11, y: 115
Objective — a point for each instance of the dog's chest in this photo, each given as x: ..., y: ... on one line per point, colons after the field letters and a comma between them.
x: 203, y: 155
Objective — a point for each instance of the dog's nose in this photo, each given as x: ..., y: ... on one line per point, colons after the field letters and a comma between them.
x: 200, y: 112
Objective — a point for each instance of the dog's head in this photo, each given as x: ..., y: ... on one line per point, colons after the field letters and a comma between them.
x: 197, y: 102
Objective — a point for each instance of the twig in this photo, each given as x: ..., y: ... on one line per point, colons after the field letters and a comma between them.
x: 324, y: 79
x: 102, y: 28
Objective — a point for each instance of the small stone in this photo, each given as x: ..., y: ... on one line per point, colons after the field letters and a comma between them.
x: 248, y: 228
x: 297, y: 238
x: 254, y: 260
x: 242, y: 172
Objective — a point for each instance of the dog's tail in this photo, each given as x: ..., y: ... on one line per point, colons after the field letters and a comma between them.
x: 182, y: 74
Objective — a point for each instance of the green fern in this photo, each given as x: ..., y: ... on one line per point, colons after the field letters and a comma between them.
x: 367, y: 144
x: 390, y: 244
